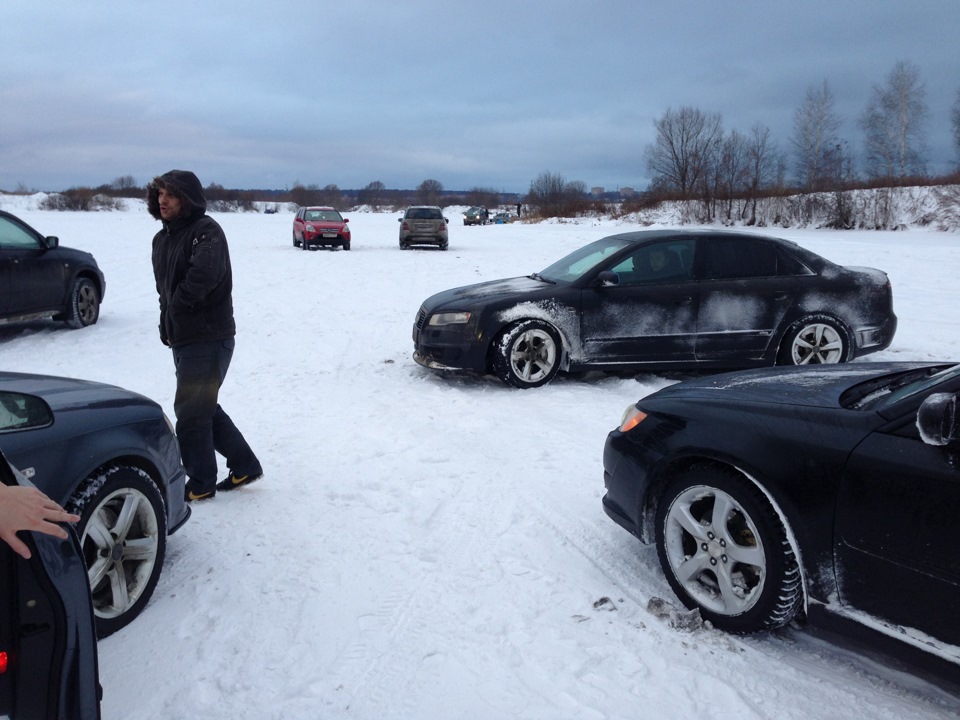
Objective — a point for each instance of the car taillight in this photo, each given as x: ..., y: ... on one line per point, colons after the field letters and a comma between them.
x: 405, y: 225
x: 4, y: 662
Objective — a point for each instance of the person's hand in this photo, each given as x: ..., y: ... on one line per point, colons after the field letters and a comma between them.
x: 26, y: 508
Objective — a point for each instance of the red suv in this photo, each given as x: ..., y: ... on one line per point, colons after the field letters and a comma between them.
x: 320, y: 226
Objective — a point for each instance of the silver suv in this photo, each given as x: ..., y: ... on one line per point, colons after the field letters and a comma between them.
x: 423, y: 225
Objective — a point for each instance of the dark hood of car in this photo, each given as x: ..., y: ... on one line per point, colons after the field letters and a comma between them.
x: 819, y: 386
x: 518, y: 288
x: 66, y: 393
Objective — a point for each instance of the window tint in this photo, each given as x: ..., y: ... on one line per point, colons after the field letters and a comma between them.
x: 14, y: 236
x: 424, y: 214
x: 669, y: 261
x: 734, y: 258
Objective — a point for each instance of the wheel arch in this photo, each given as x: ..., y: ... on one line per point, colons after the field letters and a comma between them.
x: 679, y: 465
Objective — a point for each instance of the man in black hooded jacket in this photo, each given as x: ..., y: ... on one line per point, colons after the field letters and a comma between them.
x: 191, y: 264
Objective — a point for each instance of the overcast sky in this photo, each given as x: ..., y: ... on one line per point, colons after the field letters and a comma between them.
x: 473, y: 94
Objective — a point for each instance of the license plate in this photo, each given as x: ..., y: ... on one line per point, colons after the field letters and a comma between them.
x: 329, y: 234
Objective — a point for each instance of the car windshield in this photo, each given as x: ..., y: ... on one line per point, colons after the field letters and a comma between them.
x: 890, y: 390
x: 323, y: 215
x: 424, y: 214
x: 581, y: 261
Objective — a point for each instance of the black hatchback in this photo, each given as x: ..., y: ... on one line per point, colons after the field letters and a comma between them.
x: 41, y: 279
x: 656, y: 300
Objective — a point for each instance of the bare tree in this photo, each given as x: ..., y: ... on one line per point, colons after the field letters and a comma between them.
x: 732, y: 170
x: 429, y: 191
x: 552, y: 196
x: 893, y: 125
x: 815, y: 128
x: 484, y: 197
x: 761, y: 166
x: 684, y: 151
x: 372, y: 195
x: 330, y: 195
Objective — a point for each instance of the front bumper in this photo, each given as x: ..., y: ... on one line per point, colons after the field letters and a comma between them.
x: 444, y: 348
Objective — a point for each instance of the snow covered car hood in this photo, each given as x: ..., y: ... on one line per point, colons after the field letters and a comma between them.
x: 518, y: 289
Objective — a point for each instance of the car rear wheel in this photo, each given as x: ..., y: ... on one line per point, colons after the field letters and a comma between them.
x: 527, y: 354
x: 295, y: 241
x: 724, y: 550
x: 123, y: 536
x: 346, y: 246
x: 84, y: 304
x: 815, y: 340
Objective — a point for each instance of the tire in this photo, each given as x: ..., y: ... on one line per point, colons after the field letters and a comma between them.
x: 404, y: 246
x: 123, y: 534
x: 295, y: 243
x: 527, y: 354
x: 444, y: 246
x: 741, y: 570
x: 304, y: 245
x: 815, y: 340
x: 84, y: 307
x: 346, y: 246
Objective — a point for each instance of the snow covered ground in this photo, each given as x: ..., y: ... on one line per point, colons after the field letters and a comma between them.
x: 429, y: 546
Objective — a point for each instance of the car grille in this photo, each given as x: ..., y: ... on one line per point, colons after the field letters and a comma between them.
x: 421, y: 318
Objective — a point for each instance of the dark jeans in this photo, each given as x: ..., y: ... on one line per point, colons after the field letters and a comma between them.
x: 203, y: 428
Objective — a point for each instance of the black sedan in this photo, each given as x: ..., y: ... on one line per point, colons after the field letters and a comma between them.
x: 110, y: 456
x: 39, y: 278
x: 831, y: 492
x: 656, y: 300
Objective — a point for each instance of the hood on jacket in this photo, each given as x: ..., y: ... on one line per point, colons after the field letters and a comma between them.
x: 182, y: 183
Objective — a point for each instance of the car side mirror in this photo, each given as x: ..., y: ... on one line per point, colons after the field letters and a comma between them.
x: 937, y: 419
x: 52, y: 241
x: 608, y: 278
x: 399, y: 219
x: 346, y: 220
x: 446, y: 220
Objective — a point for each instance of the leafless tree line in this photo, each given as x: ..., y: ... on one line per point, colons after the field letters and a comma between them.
x: 693, y: 158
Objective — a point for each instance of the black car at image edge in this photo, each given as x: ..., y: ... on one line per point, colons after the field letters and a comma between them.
x: 660, y: 299
x: 110, y: 456
x: 48, y: 643
x: 831, y: 493
x: 39, y: 278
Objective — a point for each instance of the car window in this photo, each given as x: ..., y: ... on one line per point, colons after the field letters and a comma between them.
x: 14, y: 236
x: 424, y: 214
x: 670, y: 261
x: 737, y: 258
x: 19, y: 411
x: 581, y: 261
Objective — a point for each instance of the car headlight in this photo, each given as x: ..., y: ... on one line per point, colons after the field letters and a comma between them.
x: 452, y: 318
x: 632, y: 417
x: 310, y: 228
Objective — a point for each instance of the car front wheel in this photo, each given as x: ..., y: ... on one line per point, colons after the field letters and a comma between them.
x: 815, y: 340
x: 84, y: 304
x: 527, y: 354
x: 123, y: 535
x: 725, y: 551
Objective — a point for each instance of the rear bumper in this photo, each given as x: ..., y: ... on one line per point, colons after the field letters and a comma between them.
x: 869, y: 339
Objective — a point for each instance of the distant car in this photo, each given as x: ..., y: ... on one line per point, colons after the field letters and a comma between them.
x: 39, y: 278
x: 48, y: 641
x: 829, y: 491
x: 656, y: 300
x: 320, y: 226
x: 476, y: 216
x: 504, y: 218
x: 424, y: 225
x: 110, y: 456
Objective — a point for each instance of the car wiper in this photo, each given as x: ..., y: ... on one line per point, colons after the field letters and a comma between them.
x: 538, y: 276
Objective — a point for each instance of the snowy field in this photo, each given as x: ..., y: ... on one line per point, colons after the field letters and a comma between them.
x: 428, y: 546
